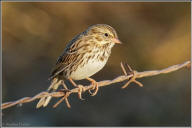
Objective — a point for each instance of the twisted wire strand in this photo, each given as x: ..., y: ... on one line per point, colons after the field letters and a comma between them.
x: 130, y: 75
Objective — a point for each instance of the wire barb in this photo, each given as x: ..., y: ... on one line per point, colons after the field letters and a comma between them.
x: 123, y: 69
x: 132, y: 79
x: 127, y: 70
x: 63, y: 98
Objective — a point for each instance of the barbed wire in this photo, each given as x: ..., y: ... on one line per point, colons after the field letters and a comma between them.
x: 129, y: 74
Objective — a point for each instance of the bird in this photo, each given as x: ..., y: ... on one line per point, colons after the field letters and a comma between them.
x: 85, y: 55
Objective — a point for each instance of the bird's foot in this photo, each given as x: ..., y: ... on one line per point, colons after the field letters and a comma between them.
x: 80, y: 88
x: 95, y: 86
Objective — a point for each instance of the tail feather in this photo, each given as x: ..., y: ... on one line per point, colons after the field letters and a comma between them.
x: 47, y: 101
x: 44, y: 101
x: 41, y: 102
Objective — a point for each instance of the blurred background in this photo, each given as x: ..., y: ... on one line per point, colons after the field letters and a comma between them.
x: 154, y: 36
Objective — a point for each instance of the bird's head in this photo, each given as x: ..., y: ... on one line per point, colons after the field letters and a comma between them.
x: 103, y: 34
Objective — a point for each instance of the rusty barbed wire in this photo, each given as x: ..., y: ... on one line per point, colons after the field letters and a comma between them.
x: 129, y: 74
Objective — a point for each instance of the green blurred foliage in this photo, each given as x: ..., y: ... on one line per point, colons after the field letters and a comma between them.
x: 154, y: 36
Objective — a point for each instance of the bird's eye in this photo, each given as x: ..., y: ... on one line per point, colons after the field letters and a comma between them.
x: 106, y: 34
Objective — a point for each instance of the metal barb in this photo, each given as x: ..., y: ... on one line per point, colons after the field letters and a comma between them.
x: 123, y: 69
x: 61, y: 100
x: 126, y: 68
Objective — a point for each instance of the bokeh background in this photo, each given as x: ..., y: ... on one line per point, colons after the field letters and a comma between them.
x: 154, y: 36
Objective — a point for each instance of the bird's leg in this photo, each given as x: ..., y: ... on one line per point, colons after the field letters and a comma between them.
x: 81, y: 88
x: 64, y: 86
x: 95, y: 86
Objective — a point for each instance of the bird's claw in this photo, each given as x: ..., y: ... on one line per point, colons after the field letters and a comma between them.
x: 95, y: 87
x: 81, y: 89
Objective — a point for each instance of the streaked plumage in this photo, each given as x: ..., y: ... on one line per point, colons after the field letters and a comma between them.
x: 86, y: 54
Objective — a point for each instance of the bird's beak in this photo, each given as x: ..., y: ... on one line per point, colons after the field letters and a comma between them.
x: 117, y: 41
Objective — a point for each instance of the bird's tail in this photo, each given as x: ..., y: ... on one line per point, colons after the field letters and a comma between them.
x: 44, y: 101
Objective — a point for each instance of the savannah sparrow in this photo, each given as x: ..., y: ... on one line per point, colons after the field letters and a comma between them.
x: 84, y: 55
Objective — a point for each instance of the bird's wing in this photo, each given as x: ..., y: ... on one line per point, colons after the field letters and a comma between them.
x: 69, y: 56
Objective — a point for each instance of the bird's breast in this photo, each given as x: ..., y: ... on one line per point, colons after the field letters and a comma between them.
x: 90, y: 65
